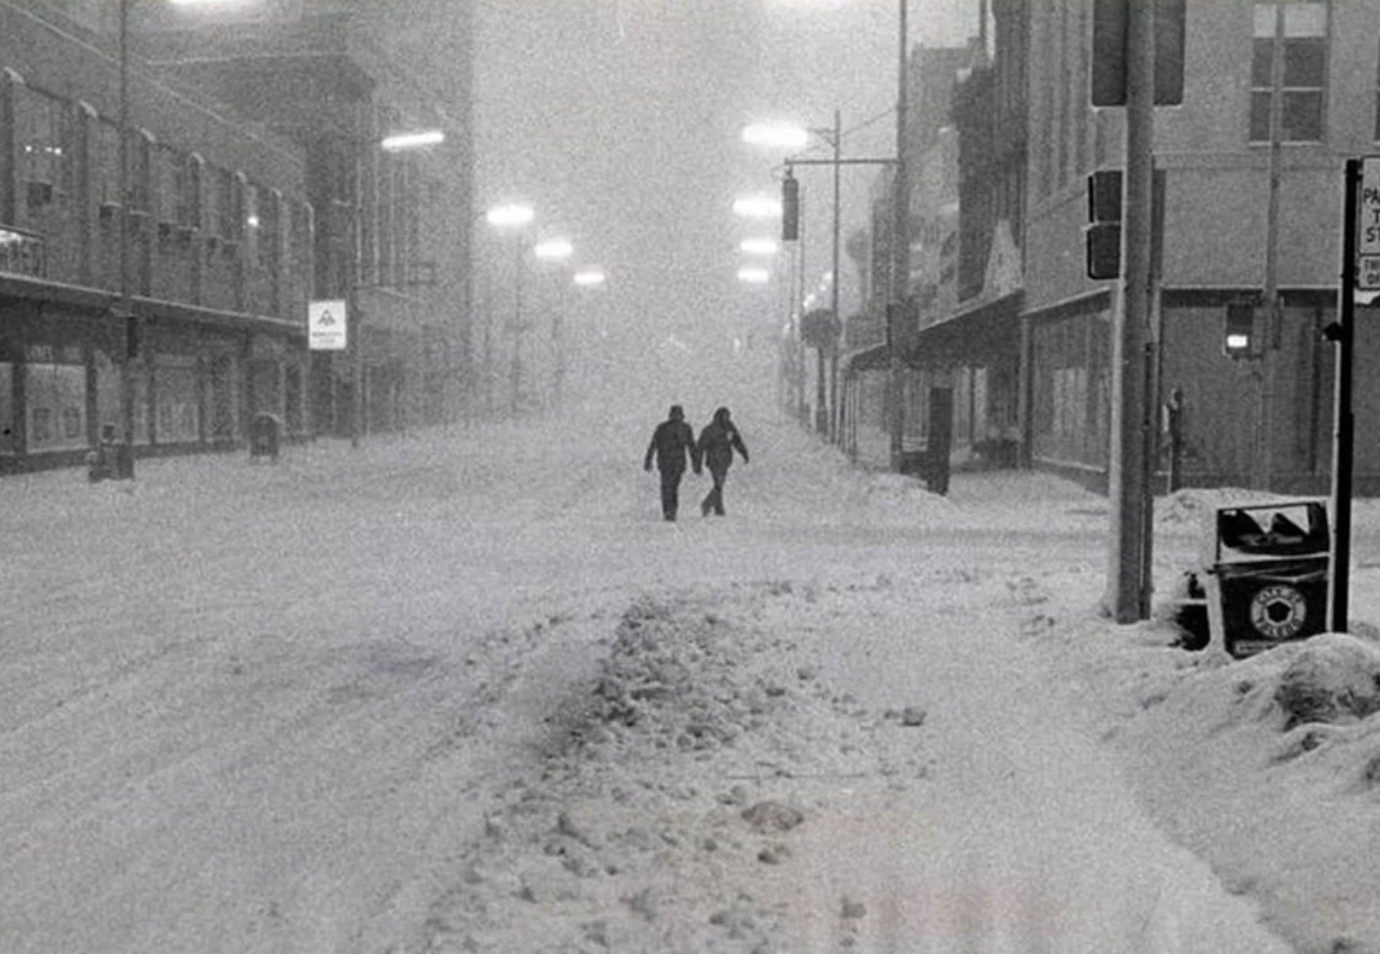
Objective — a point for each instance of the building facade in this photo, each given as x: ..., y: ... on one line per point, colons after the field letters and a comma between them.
x: 393, y: 226
x: 197, y: 319
x: 1277, y: 95
x: 256, y: 184
x: 1229, y: 235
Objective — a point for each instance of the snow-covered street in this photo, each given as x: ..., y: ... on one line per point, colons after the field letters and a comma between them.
x: 467, y: 691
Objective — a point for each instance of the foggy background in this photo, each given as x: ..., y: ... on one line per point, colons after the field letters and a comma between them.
x: 619, y: 122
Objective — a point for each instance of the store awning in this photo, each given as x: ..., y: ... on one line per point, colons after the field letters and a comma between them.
x: 983, y: 335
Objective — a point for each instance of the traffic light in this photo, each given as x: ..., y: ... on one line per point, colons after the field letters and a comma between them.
x: 1108, y: 81
x: 790, y: 208
x: 1238, y: 333
x: 1103, y: 231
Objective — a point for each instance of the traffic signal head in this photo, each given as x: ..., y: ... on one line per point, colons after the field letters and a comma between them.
x: 1238, y: 333
x: 790, y: 208
x: 1102, y: 235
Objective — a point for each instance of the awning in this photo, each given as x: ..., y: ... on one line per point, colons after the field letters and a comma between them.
x: 984, y: 335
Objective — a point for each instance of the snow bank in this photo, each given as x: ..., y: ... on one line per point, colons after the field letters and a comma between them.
x: 1268, y: 767
x: 645, y: 822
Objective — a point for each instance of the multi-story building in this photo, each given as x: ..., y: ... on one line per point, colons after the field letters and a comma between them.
x: 392, y: 228
x: 1247, y: 210
x: 1244, y: 212
x: 197, y: 317
x: 256, y: 184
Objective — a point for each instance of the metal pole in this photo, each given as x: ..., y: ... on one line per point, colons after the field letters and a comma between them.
x: 517, y: 327
x: 125, y: 461
x: 798, y: 314
x: 1269, y: 352
x: 1129, y: 578
x: 900, y: 253
x: 558, y: 344
x: 1344, y: 425
x: 834, y: 284
x: 352, y: 297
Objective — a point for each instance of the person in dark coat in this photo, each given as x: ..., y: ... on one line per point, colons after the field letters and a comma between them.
x: 672, y: 446
x: 715, y: 449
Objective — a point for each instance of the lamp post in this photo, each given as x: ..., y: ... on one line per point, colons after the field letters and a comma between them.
x: 900, y: 263
x: 900, y: 237
x: 787, y: 136
x: 395, y: 142
x: 515, y: 215
x: 588, y: 279
x: 125, y: 463
x: 555, y: 250
x: 124, y: 469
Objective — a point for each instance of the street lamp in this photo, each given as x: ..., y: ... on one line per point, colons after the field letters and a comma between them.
x: 515, y: 216
x: 124, y: 469
x: 556, y: 250
x: 900, y: 262
x: 784, y: 136
x: 758, y: 246
x: 757, y: 207
x: 396, y: 142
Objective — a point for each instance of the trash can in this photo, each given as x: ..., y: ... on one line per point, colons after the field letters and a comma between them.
x: 263, y: 438
x: 1268, y: 579
x: 104, y: 461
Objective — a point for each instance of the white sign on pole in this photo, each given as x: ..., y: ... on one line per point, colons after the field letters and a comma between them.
x: 1368, y: 224
x: 327, y: 328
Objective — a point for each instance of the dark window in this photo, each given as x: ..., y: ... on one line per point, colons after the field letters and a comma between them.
x: 1300, y: 30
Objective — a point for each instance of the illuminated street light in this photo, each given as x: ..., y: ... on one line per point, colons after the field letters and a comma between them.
x: 553, y: 250
x: 589, y: 277
x: 757, y: 207
x: 514, y: 213
x: 776, y: 135
x: 758, y: 246
x: 753, y: 275
x: 411, y: 140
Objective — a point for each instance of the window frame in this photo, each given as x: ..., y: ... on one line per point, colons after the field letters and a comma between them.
x: 1297, y: 32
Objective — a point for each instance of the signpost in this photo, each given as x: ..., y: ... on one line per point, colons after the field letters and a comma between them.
x: 327, y: 326
x: 1360, y: 250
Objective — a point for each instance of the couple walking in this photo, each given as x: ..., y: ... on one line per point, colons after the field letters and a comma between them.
x: 673, y: 445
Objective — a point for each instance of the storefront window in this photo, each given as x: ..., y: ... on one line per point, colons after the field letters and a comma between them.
x: 222, y: 398
x: 179, y: 412
x: 55, y: 396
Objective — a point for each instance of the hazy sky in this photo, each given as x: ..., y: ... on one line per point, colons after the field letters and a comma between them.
x: 618, y: 120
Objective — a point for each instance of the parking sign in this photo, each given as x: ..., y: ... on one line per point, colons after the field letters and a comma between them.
x: 1368, y: 226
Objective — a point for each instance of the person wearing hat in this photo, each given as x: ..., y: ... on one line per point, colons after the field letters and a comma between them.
x: 672, y: 446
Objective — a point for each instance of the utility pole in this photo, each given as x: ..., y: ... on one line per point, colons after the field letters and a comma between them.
x: 834, y: 283
x: 1270, y: 337
x: 125, y: 453
x: 1129, y: 577
x: 900, y: 251
x: 515, y: 371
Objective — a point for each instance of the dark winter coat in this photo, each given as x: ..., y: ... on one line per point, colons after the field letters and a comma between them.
x: 717, y: 442
x: 673, y: 445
